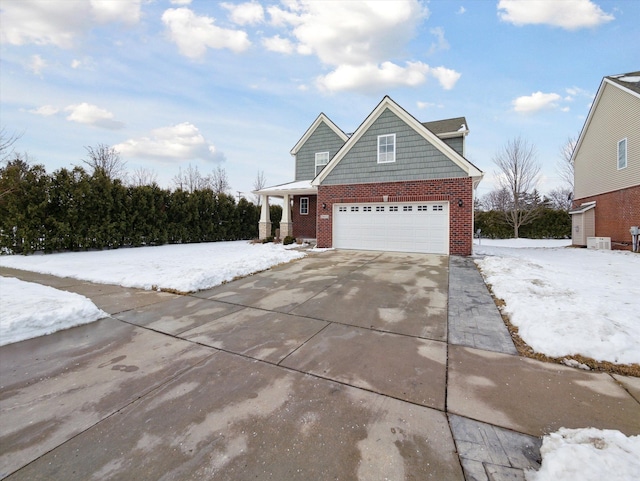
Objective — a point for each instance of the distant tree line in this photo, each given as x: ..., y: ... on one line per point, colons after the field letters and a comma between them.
x: 73, y: 209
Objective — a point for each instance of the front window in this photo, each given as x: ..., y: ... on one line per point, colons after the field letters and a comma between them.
x: 622, y: 154
x: 322, y: 159
x: 304, y: 205
x: 386, y: 148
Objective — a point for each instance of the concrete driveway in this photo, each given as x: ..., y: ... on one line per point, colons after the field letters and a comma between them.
x: 343, y: 365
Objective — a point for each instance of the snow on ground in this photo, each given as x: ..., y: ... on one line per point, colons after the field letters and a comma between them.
x: 183, y: 267
x: 33, y: 310
x: 567, y: 301
x: 588, y: 455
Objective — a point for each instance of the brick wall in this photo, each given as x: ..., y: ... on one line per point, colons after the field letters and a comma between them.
x: 615, y: 213
x: 460, y: 218
x: 304, y: 226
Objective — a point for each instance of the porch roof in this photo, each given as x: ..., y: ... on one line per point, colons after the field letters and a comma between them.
x: 300, y: 187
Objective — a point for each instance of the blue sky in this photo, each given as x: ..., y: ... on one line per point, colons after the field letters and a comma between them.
x: 176, y: 82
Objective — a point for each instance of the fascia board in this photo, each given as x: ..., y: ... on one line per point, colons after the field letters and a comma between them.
x: 321, y: 118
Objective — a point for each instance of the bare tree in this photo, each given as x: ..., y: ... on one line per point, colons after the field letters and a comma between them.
x: 560, y: 198
x: 106, y: 160
x: 565, y: 164
x: 190, y: 180
x: 218, y: 181
x: 259, y: 182
x: 518, y: 173
x: 143, y: 176
x: 499, y: 200
x: 6, y: 144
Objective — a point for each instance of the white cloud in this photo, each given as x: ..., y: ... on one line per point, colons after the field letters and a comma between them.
x: 567, y: 14
x: 180, y: 2
x: 126, y: 11
x: 536, y: 101
x: 428, y: 105
x: 249, y: 13
x: 372, y: 77
x: 45, y: 110
x: 355, y: 32
x: 37, y: 64
x: 194, y: 34
x: 43, y: 22
x: 440, y: 43
x: 178, y: 142
x: 89, y: 114
x: 278, y: 44
x: 362, y: 42
x: 446, y: 77
x: 461, y: 10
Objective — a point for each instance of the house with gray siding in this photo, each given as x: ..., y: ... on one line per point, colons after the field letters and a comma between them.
x: 606, y: 163
x: 395, y: 184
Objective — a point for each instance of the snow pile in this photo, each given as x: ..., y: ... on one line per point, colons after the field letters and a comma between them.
x: 32, y: 310
x: 588, y: 455
x: 568, y: 301
x: 184, y: 267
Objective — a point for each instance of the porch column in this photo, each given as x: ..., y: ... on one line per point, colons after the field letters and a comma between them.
x: 286, y: 227
x: 264, y: 226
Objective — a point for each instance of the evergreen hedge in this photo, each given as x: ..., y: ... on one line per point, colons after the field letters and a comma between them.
x: 71, y: 210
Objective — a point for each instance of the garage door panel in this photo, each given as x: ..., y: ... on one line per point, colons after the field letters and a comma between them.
x: 402, y: 227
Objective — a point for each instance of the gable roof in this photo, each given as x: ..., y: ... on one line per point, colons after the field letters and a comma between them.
x: 629, y: 83
x: 455, y: 127
x: 431, y: 137
x: 320, y: 119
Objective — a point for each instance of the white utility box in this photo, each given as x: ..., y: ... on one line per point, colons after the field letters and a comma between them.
x: 603, y: 243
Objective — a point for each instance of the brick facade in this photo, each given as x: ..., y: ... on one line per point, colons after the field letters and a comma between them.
x: 451, y: 190
x: 615, y: 213
x: 304, y: 226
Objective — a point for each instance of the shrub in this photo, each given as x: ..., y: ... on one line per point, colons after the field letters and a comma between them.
x: 288, y: 240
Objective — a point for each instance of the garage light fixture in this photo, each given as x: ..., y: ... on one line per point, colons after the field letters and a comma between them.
x: 460, y: 203
x: 324, y: 205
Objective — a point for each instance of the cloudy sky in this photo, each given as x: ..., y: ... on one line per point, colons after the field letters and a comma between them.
x: 176, y: 82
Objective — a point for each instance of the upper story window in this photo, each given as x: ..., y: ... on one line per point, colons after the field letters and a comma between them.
x: 304, y: 205
x: 322, y: 159
x: 386, y: 148
x: 622, y: 154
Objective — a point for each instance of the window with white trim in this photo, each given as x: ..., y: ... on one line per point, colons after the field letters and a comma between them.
x: 342, y: 209
x: 622, y: 154
x: 322, y: 159
x: 366, y: 208
x: 393, y: 208
x: 379, y: 208
x: 304, y: 205
x: 386, y: 148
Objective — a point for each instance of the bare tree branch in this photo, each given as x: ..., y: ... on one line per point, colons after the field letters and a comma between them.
x: 190, y: 180
x: 6, y: 144
x: 565, y: 164
x: 259, y: 183
x: 518, y: 173
x: 106, y: 160
x: 218, y: 181
x: 143, y: 176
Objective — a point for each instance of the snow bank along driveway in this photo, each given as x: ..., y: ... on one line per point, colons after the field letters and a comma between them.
x: 183, y: 267
x: 568, y: 301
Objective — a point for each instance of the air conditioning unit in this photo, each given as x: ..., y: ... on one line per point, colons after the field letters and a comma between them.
x: 603, y: 243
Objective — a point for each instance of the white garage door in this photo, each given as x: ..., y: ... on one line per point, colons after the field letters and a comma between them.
x: 390, y: 226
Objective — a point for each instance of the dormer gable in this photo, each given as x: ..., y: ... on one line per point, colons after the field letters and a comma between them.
x: 322, y: 140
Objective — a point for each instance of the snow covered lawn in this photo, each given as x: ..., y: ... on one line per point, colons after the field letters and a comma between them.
x: 32, y: 310
x: 567, y: 301
x: 183, y: 267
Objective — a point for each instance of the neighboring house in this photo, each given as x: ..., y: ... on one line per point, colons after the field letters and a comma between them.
x: 606, y: 163
x: 395, y: 184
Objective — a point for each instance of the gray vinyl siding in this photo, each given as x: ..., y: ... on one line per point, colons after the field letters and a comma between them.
x: 323, y: 139
x: 455, y: 143
x: 416, y: 158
